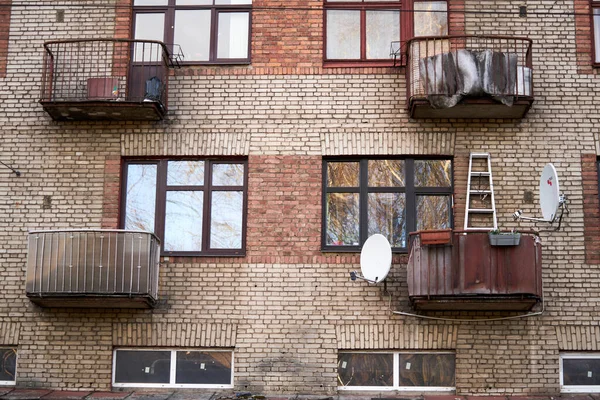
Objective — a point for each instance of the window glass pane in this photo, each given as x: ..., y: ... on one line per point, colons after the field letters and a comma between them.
x: 228, y: 175
x: 342, y: 219
x: 192, y: 33
x: 203, y: 367
x: 233, y: 2
x: 427, y: 370
x: 433, y: 212
x: 150, y: 2
x: 149, y: 26
x: 226, y: 220
x: 183, y: 221
x: 386, y: 173
x: 8, y: 364
x: 140, y: 197
x: 233, y: 35
x: 343, y: 34
x: 431, y: 18
x: 597, y: 33
x: 386, y: 216
x: 581, y: 371
x: 194, y: 2
x: 383, y: 27
x: 433, y: 173
x: 185, y: 173
x: 134, y: 366
x: 355, y: 369
x: 342, y: 174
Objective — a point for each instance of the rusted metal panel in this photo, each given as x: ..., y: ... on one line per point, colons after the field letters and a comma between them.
x: 472, y: 273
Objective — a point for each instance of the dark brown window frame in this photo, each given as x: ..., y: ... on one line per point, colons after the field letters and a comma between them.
x: 207, y: 188
x: 406, y: 28
x: 593, y: 5
x: 169, y: 28
x: 363, y: 190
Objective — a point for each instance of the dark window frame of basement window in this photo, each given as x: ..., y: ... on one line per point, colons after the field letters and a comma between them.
x: 363, y: 191
x: 406, y: 28
x: 160, y: 210
x: 169, y: 28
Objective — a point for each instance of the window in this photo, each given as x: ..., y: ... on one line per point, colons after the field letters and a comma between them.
x: 363, y: 30
x: 396, y: 371
x: 196, y: 207
x: 8, y: 365
x: 596, y: 29
x: 580, y: 372
x: 388, y: 196
x: 173, y: 368
x: 207, y: 31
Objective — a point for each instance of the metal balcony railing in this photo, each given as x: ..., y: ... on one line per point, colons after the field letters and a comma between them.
x: 448, y: 70
x: 119, y: 71
x: 99, y: 268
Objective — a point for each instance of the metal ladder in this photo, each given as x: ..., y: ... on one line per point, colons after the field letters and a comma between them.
x: 484, y: 188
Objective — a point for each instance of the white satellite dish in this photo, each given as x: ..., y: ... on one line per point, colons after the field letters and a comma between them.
x: 549, y: 193
x: 551, y: 200
x: 376, y: 258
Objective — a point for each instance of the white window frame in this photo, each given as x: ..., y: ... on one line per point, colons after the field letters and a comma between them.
x: 576, y: 388
x: 173, y: 370
x: 396, y: 375
x: 11, y: 383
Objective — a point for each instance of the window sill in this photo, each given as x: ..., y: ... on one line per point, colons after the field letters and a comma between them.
x: 240, y: 253
x: 214, y: 63
x: 357, y: 250
x: 361, y: 64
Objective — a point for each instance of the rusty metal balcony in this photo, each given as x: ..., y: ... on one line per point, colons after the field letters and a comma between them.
x: 469, y: 76
x: 106, y: 79
x: 471, y: 274
x: 93, y: 268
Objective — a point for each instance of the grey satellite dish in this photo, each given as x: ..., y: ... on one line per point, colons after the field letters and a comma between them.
x: 551, y: 200
x: 376, y: 258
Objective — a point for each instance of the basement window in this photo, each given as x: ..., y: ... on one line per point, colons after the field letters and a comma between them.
x: 8, y: 366
x: 408, y: 371
x: 580, y: 372
x: 159, y: 368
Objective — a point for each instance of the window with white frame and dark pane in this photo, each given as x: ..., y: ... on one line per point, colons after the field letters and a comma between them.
x: 173, y: 368
x: 364, y: 30
x: 206, y: 31
x: 8, y: 366
x: 389, y: 196
x: 408, y: 371
x: 580, y: 372
x: 195, y: 206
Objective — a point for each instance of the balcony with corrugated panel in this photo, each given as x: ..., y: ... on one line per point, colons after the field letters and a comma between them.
x: 106, y: 79
x: 468, y: 273
x: 93, y: 268
x: 469, y: 76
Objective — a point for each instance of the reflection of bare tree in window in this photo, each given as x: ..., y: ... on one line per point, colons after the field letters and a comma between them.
x: 342, y: 174
x: 430, y: 18
x: 386, y: 173
x: 427, y: 370
x: 183, y: 221
x: 141, y: 197
x: 342, y: 219
x: 386, y: 216
x: 226, y: 220
x: 357, y: 369
x: 433, y: 173
x: 228, y: 174
x: 8, y: 364
x: 188, y: 173
x: 433, y: 212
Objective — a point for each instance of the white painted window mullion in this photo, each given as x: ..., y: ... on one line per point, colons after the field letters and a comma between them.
x: 173, y: 367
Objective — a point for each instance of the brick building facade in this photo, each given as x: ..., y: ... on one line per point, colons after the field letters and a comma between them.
x: 286, y: 308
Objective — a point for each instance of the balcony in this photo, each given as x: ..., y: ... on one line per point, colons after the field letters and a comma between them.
x: 470, y: 274
x: 106, y: 79
x: 93, y: 268
x: 469, y: 77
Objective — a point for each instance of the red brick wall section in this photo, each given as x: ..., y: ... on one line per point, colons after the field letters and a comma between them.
x: 5, y: 6
x: 123, y: 12
x: 583, y: 36
x: 591, y: 208
x: 456, y: 17
x: 112, y: 183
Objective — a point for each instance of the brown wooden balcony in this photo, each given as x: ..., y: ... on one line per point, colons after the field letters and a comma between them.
x: 93, y: 268
x: 106, y: 79
x: 469, y: 76
x: 470, y: 274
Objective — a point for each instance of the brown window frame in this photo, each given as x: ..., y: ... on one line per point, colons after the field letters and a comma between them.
x: 169, y: 28
x: 207, y: 188
x: 363, y: 190
x: 594, y: 4
x: 406, y: 28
